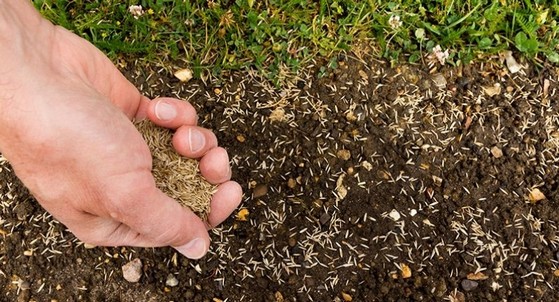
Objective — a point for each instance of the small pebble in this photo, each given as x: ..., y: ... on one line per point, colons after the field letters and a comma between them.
x: 292, y: 241
x: 291, y: 183
x: 497, y: 152
x: 512, y: 64
x: 344, y: 154
x: 439, y: 80
x: 394, y: 215
x: 469, y: 285
x: 367, y: 165
x: 132, y: 271
x: 325, y: 218
x: 24, y: 285
x: 459, y: 297
x: 171, y: 281
x: 184, y: 75
x: 259, y: 191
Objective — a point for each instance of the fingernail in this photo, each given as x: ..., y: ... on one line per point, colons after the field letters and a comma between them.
x: 165, y: 111
x: 196, y: 140
x: 195, y: 249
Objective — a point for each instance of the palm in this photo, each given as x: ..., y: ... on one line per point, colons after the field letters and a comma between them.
x: 94, y: 170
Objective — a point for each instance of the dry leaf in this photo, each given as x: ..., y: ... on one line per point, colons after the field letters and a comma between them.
x: 347, y: 297
x: 492, y: 90
x: 406, y: 270
x: 242, y: 215
x: 536, y: 195
x: 477, y: 276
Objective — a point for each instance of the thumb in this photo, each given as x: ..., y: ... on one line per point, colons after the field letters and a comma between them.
x: 161, y: 221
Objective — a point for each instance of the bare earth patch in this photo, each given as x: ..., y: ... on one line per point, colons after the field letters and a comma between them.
x: 370, y: 184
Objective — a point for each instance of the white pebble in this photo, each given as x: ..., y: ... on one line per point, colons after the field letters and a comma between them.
x: 171, y: 281
x: 394, y: 215
x: 132, y: 271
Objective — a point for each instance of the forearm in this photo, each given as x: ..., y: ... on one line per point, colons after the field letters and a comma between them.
x: 20, y: 28
x: 18, y: 16
x: 22, y: 31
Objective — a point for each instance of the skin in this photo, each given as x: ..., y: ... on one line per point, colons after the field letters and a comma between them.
x: 65, y: 127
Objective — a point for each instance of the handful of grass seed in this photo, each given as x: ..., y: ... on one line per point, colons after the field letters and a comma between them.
x: 175, y: 175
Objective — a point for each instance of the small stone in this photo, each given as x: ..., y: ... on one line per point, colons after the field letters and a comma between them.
x: 556, y: 273
x: 367, y: 165
x: 341, y: 190
x: 512, y: 65
x: 439, y: 80
x: 292, y: 241
x: 259, y: 191
x: 325, y: 218
x: 171, y: 281
x: 184, y: 75
x: 344, y: 154
x: 394, y: 215
x: 291, y: 183
x: 132, y: 271
x: 497, y: 152
x: 350, y: 116
x: 23, y: 285
x: 28, y: 253
x: 279, y: 297
x: 278, y: 115
x: 413, y: 212
x: 468, y: 285
x: 459, y: 296
x: 536, y: 195
x: 241, y: 138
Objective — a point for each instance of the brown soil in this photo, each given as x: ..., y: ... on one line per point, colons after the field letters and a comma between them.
x: 360, y: 179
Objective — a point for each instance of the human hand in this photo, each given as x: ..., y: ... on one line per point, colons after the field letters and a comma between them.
x: 65, y: 127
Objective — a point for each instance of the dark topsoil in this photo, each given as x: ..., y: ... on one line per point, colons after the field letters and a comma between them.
x: 352, y: 181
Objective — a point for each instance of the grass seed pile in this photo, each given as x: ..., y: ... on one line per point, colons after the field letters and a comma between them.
x: 175, y: 175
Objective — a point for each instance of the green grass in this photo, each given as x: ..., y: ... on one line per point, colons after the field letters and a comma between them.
x: 280, y: 36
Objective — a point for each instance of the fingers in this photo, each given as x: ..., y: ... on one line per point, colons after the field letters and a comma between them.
x: 224, y: 202
x: 171, y: 113
x: 194, y: 142
x: 166, y: 222
x: 214, y: 166
x: 157, y: 220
